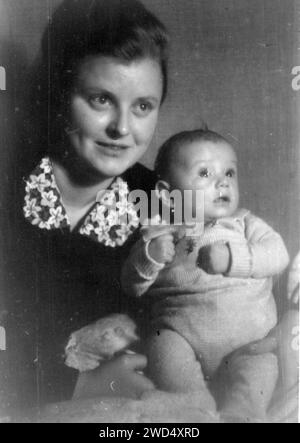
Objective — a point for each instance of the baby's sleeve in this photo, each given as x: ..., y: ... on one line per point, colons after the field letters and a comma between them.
x: 140, y: 271
x: 264, y: 252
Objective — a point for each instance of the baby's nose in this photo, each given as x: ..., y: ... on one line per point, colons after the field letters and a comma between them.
x: 222, y: 182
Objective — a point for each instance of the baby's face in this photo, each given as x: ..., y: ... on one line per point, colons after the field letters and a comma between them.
x: 210, y: 167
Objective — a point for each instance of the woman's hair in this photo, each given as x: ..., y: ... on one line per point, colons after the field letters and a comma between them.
x: 169, y: 149
x: 124, y: 29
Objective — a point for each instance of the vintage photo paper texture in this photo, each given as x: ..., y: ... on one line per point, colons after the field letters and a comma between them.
x: 149, y: 237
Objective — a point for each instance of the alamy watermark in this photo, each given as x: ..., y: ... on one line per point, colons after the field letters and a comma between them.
x: 2, y: 339
x: 168, y: 208
x: 175, y: 207
x: 296, y: 79
x: 2, y: 79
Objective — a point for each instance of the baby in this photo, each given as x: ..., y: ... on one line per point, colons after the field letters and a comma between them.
x: 209, y: 294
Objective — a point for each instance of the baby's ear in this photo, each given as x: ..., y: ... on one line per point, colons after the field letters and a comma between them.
x: 119, y: 331
x: 162, y: 189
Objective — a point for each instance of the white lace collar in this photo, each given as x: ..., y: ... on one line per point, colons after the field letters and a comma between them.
x: 111, y: 220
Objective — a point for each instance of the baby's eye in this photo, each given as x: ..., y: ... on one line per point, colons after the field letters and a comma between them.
x: 230, y: 173
x: 204, y: 173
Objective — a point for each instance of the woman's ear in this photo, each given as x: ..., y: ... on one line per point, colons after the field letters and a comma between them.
x: 162, y: 190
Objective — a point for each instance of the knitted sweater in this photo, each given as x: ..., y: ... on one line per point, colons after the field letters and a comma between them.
x: 216, y: 314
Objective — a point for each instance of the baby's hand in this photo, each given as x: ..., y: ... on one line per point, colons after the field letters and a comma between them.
x: 162, y: 249
x: 215, y: 258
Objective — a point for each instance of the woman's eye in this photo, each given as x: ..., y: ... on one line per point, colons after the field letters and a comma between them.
x: 100, y: 100
x: 143, y: 108
x: 230, y: 173
x: 204, y: 173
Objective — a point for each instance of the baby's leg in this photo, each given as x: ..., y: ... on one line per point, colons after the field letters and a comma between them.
x: 173, y: 367
x: 247, y: 387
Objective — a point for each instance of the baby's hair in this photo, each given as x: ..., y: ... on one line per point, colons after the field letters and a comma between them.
x: 168, y: 150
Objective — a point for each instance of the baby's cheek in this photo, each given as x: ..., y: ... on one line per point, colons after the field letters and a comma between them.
x: 236, y: 197
x: 201, y: 183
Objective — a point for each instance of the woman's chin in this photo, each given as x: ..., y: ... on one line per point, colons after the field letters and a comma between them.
x: 111, y: 167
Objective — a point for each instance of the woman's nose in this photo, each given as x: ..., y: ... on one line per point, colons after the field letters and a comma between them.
x: 118, y: 126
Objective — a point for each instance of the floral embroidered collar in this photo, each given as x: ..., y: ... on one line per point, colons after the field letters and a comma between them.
x: 111, y: 220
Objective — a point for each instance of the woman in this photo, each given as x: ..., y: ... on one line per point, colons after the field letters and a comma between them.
x: 103, y: 78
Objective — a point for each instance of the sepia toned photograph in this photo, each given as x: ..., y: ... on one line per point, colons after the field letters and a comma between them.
x: 150, y: 212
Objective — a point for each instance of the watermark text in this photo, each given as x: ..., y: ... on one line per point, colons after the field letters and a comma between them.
x: 2, y: 339
x: 296, y: 79
x: 2, y: 79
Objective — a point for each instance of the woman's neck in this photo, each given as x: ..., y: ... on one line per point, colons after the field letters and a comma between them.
x: 77, y: 198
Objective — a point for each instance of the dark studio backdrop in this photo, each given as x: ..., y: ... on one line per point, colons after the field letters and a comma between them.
x: 231, y: 67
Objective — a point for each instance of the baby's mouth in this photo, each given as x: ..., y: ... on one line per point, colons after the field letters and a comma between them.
x: 222, y: 199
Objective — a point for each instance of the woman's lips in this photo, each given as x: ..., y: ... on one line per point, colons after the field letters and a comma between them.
x: 111, y: 147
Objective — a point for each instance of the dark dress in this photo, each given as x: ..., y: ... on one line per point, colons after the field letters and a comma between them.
x: 54, y: 283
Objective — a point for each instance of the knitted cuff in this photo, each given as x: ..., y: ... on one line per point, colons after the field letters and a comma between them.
x: 241, y: 260
x: 144, y: 264
x: 218, y: 234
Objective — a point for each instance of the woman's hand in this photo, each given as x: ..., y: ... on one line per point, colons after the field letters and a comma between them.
x: 215, y: 258
x: 115, y: 378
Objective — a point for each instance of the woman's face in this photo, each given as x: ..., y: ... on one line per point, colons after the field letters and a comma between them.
x: 114, y: 112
